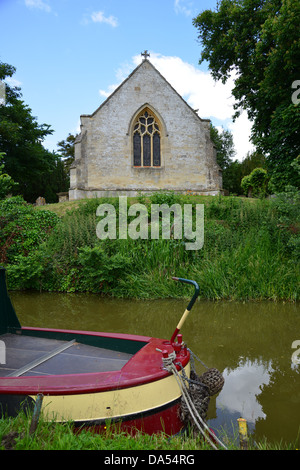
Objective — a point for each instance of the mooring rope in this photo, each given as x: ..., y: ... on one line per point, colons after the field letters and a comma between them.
x: 193, y: 357
x: 170, y: 366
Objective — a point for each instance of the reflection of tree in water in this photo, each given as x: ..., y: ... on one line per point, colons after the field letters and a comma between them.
x: 280, y: 401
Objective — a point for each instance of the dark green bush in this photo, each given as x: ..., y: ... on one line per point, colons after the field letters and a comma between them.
x: 22, y: 228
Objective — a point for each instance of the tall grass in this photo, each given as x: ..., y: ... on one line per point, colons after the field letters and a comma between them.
x: 15, y: 435
x: 249, y: 252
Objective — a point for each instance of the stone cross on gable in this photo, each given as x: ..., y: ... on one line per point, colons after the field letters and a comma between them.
x: 145, y: 54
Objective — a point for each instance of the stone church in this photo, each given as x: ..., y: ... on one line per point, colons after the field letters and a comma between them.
x: 144, y: 138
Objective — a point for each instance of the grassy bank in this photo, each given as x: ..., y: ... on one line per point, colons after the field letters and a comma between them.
x: 251, y: 250
x: 15, y: 435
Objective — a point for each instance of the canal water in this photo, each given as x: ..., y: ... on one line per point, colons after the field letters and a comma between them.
x: 252, y: 344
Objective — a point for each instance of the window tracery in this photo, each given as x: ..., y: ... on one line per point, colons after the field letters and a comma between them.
x: 146, y: 141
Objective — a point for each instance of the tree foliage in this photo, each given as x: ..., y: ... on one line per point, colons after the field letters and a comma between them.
x: 66, y: 148
x: 37, y: 171
x: 7, y: 184
x: 224, y: 146
x: 22, y: 228
x: 255, y: 183
x: 225, y: 153
x: 233, y: 171
x: 257, y: 42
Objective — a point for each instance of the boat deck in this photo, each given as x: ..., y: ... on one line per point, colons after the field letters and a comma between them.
x: 32, y: 356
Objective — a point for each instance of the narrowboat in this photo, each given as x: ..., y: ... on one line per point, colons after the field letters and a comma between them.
x: 92, y: 378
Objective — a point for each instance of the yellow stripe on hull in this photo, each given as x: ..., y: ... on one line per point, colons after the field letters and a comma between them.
x: 113, y: 403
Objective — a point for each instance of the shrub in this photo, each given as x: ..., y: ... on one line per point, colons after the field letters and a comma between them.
x: 22, y: 228
x: 99, y: 270
x: 164, y: 197
x: 255, y: 183
x: 7, y: 184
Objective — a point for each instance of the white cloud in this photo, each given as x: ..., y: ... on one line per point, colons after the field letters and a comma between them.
x: 76, y: 129
x: 109, y: 91
x: 38, y: 4
x: 212, y: 99
x: 183, y: 7
x: 241, y: 131
x: 98, y: 17
x: 13, y: 82
x: 242, y: 388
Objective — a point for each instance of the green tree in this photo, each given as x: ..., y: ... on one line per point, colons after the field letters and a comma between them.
x: 255, y: 184
x: 225, y: 153
x: 252, y: 160
x: 257, y: 41
x: 233, y: 178
x: 66, y: 148
x: 224, y: 146
x: 7, y: 184
x: 21, y: 137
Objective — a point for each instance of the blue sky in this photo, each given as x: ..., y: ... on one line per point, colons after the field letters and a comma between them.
x: 71, y: 54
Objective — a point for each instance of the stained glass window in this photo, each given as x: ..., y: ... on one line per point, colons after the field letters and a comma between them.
x: 146, y: 141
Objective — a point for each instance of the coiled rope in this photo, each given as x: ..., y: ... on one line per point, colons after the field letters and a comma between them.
x: 200, y: 423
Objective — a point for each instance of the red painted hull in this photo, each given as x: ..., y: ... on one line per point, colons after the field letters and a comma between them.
x: 101, y: 378
x: 142, y: 395
x: 166, y: 420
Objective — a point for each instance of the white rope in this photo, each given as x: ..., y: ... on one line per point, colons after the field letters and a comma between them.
x: 190, y: 404
x: 168, y: 361
x: 193, y: 411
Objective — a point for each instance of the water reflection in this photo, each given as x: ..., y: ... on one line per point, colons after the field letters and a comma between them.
x: 242, y: 387
x: 239, y: 396
x: 250, y: 343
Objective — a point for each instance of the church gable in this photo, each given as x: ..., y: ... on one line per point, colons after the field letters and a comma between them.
x: 144, y: 137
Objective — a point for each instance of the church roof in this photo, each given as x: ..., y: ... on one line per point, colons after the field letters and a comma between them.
x: 145, y: 60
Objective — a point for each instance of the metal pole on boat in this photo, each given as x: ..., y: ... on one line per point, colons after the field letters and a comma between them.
x: 189, y: 307
x: 36, y: 413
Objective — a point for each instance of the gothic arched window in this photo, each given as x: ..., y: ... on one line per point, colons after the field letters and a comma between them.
x: 146, y: 141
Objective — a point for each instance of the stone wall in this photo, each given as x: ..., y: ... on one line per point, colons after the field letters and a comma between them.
x: 104, y: 154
